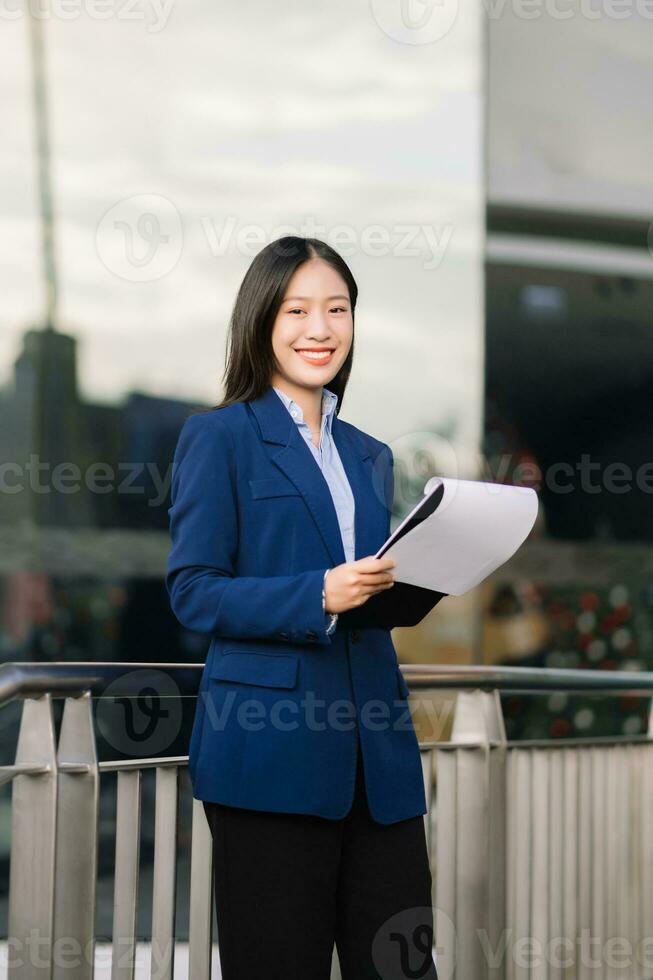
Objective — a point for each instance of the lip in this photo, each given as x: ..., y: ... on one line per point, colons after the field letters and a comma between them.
x: 310, y: 360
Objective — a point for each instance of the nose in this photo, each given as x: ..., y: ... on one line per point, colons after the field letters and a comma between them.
x: 319, y: 327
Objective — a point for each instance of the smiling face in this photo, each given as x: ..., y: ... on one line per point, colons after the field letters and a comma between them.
x: 313, y: 330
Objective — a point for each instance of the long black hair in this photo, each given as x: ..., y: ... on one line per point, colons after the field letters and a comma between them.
x: 250, y: 357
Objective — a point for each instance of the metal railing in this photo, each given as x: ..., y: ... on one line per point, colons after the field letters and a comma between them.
x: 536, y: 842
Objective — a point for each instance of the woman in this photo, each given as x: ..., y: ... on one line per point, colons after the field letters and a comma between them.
x: 303, y: 748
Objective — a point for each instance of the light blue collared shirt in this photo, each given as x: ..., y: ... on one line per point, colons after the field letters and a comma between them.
x: 328, y: 459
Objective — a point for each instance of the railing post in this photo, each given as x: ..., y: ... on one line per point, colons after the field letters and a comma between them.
x: 201, y: 896
x: 33, y: 835
x: 76, y: 845
x: 470, y: 841
x: 125, y: 894
x: 427, y: 775
x: 165, y: 874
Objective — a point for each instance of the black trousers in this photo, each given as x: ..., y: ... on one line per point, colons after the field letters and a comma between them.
x: 288, y: 886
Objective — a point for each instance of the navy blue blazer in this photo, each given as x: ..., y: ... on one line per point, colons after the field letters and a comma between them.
x: 253, y: 528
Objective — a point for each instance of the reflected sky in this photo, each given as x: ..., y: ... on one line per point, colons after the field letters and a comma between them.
x: 266, y: 116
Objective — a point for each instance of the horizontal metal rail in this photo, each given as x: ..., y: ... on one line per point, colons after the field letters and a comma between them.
x: 64, y: 679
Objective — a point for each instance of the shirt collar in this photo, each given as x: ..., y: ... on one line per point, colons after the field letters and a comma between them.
x: 329, y: 402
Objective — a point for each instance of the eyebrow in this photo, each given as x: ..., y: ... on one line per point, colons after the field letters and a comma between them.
x: 288, y: 299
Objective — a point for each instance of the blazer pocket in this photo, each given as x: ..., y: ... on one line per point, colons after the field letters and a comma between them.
x: 404, y: 690
x: 261, y: 669
x: 272, y: 486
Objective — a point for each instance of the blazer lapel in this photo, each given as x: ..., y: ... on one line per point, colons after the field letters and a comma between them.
x: 297, y: 462
x: 358, y: 466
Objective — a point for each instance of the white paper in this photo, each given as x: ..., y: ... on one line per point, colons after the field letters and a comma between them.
x: 475, y: 528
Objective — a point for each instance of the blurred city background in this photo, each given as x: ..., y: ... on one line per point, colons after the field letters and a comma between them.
x: 487, y: 176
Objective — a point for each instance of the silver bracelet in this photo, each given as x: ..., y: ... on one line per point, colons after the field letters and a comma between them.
x: 334, y: 616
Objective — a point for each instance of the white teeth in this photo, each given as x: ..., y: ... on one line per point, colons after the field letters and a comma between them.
x: 316, y: 355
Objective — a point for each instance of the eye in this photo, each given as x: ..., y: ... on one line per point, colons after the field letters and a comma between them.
x: 297, y: 310
x: 342, y: 309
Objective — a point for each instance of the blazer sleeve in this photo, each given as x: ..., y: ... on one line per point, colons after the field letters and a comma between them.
x: 205, y: 593
x: 403, y: 604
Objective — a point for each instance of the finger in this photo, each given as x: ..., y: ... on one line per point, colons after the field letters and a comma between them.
x: 374, y: 578
x: 371, y: 590
x: 372, y: 564
x: 371, y: 570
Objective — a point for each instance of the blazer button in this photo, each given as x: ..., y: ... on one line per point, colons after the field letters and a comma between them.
x: 355, y: 636
x: 311, y: 635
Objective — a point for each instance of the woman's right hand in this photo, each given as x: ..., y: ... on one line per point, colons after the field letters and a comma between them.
x: 351, y: 584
